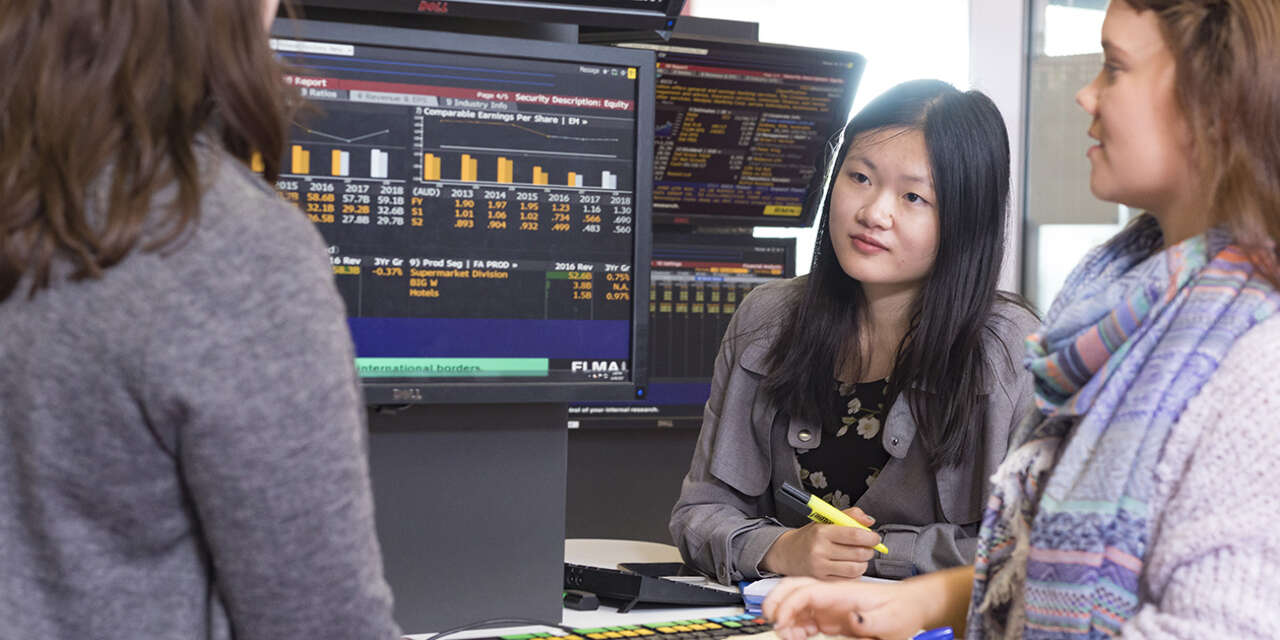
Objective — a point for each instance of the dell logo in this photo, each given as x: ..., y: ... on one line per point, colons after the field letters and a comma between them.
x: 433, y: 7
x: 410, y: 394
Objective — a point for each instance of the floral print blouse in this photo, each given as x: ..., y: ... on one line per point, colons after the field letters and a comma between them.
x: 847, y: 462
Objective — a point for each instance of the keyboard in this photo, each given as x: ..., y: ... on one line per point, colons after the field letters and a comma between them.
x: 627, y: 589
x: 699, y: 629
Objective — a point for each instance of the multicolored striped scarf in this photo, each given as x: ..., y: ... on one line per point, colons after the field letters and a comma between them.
x: 1131, y: 339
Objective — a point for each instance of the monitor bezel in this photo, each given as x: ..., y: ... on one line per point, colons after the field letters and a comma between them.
x: 405, y: 392
x: 710, y: 42
x: 509, y: 10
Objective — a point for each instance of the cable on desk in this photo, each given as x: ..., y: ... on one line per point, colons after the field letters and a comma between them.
x: 500, y: 622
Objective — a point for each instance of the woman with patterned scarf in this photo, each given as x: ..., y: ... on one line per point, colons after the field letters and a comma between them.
x: 1142, y: 499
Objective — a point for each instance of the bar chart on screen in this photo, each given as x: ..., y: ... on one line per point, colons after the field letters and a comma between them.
x: 522, y: 149
x: 334, y: 144
x: 515, y: 168
x: 333, y: 162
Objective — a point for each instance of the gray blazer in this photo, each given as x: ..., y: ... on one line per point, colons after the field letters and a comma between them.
x: 727, y: 516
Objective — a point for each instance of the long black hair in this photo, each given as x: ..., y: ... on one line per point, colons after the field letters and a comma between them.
x: 941, y: 361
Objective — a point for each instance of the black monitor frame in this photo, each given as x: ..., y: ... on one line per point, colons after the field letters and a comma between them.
x: 568, y: 12
x: 766, y: 50
x: 408, y: 392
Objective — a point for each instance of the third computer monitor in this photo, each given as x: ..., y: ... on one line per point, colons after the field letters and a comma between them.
x: 740, y: 127
x: 630, y: 14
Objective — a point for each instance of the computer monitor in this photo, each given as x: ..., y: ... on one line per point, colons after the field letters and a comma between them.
x: 485, y: 202
x: 740, y: 127
x: 697, y: 282
x: 630, y: 14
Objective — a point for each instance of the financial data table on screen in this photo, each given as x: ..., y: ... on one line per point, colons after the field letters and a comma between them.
x: 739, y: 127
x: 480, y: 210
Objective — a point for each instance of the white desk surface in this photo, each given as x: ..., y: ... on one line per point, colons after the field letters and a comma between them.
x: 607, y: 554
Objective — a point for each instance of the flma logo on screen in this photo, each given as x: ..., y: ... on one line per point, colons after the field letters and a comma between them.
x: 600, y: 369
x: 433, y: 7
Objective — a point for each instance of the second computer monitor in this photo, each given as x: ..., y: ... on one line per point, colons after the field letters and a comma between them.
x: 697, y: 283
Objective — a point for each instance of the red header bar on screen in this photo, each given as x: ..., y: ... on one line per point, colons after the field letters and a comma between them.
x: 519, y: 97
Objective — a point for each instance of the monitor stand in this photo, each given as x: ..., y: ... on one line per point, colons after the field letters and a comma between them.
x: 469, y: 502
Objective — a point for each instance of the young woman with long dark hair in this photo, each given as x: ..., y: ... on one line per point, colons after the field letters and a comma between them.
x: 886, y: 380
x: 181, y: 432
x: 1142, y: 499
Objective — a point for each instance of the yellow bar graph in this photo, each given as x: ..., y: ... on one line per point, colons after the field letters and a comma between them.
x: 540, y: 176
x: 301, y: 160
x: 470, y: 168
x: 256, y: 163
x: 336, y: 163
x: 430, y: 167
x: 573, y: 178
x: 506, y: 170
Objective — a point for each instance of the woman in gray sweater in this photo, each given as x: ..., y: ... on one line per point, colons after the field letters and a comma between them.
x: 181, y: 434
x: 1142, y: 500
x: 886, y: 381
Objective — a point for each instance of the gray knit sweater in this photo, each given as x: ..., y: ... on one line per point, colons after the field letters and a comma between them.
x: 1213, y: 566
x: 182, y: 445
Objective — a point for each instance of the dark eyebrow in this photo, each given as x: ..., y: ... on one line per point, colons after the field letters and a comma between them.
x: 909, y: 177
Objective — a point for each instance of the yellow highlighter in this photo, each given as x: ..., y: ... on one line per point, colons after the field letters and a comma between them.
x: 821, y: 511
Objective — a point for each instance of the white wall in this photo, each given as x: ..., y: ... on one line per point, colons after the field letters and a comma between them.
x: 997, y: 67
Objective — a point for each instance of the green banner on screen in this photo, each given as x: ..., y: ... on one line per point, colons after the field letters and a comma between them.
x: 451, y: 367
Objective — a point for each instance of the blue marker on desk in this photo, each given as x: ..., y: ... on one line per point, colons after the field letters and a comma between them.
x: 941, y: 633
